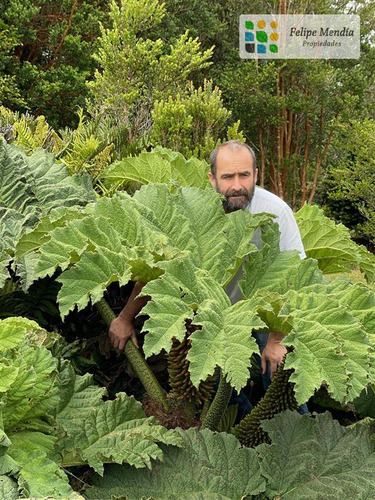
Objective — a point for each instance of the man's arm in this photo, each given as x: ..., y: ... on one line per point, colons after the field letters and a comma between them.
x: 274, y: 352
x: 122, y: 329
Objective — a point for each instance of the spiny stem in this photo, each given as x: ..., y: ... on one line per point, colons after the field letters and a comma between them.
x: 136, y: 360
x: 220, y: 402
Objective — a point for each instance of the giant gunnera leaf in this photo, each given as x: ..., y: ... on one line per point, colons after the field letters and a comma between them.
x: 328, y: 325
x: 209, y: 466
x: 51, y: 419
x: 316, y: 458
x: 30, y: 187
x: 159, y: 166
x: 106, y: 432
x: 326, y: 241
x: 224, y: 338
x: 125, y: 238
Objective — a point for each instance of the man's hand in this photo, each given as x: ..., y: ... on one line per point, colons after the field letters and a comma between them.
x: 274, y: 352
x: 120, y: 331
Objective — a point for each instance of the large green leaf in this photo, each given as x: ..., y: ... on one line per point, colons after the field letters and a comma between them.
x: 316, y: 459
x: 195, y: 221
x: 328, y: 325
x: 208, y: 467
x: 30, y: 187
x: 128, y: 238
x: 118, y: 431
x: 157, y: 167
x: 38, y: 183
x: 326, y: 241
x: 329, y: 345
x: 8, y: 488
x: 185, y: 292
x: 113, y: 431
x: 271, y: 269
x: 111, y: 243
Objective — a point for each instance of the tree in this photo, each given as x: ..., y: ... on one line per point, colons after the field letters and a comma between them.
x: 47, y: 55
x: 192, y: 123
x: 136, y: 71
x: 349, y: 184
x: 9, y: 92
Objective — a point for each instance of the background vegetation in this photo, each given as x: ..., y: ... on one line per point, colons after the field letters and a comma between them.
x: 169, y: 74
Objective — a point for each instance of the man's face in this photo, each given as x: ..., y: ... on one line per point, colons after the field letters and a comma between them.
x: 235, y: 177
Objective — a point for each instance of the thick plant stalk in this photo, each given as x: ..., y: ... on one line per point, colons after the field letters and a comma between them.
x: 220, y: 402
x: 136, y: 360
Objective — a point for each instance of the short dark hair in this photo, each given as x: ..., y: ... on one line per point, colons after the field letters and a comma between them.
x: 233, y: 145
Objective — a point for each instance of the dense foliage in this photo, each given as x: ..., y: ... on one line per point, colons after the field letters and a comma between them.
x: 108, y: 113
x: 180, y: 243
x: 46, y: 56
x: 52, y: 418
x: 350, y: 182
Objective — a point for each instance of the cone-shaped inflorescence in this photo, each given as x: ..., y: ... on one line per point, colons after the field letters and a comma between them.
x: 278, y: 398
x: 178, y: 370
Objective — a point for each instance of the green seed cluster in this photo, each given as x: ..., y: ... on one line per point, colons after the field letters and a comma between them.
x: 279, y: 397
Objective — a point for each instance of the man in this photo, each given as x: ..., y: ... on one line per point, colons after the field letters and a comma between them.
x: 234, y: 174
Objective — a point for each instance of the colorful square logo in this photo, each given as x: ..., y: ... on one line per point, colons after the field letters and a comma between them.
x: 261, y: 37
x: 299, y: 36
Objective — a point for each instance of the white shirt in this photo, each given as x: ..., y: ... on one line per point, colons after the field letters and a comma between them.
x: 290, y: 238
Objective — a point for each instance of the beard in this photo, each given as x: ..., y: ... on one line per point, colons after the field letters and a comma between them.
x: 233, y: 204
